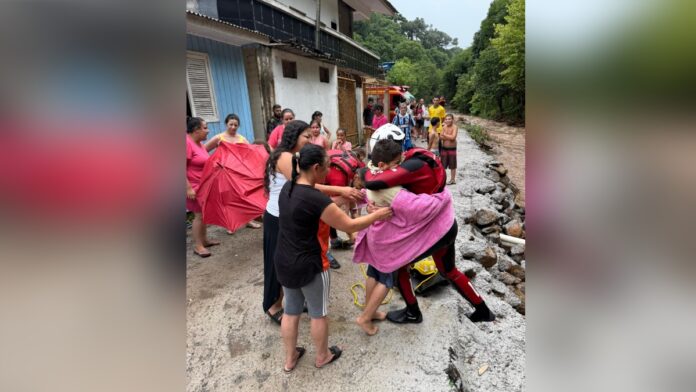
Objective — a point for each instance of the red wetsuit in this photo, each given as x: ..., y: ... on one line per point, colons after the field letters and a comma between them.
x: 422, y: 172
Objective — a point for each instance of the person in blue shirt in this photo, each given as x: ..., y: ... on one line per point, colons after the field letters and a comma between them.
x: 405, y: 122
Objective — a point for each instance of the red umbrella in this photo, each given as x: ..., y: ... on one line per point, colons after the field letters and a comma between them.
x: 231, y: 192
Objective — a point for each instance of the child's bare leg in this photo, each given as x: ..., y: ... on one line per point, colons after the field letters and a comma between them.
x: 378, y: 293
x: 369, y: 287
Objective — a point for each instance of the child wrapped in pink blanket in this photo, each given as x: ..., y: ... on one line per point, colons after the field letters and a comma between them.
x: 417, y: 224
x: 419, y: 221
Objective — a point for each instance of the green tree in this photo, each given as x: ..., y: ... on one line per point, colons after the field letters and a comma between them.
x: 460, y: 64
x: 487, y: 99
x: 381, y: 34
x: 410, y: 50
x: 414, y: 74
x: 509, y: 42
x: 404, y: 72
x: 464, y: 92
x: 439, y: 56
x: 496, y: 15
x: 414, y: 29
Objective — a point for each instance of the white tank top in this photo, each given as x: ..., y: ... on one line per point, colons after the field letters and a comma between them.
x: 274, y: 191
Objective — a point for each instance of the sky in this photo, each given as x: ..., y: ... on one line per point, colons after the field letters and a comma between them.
x: 460, y: 19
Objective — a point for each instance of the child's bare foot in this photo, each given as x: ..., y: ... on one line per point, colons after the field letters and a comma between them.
x: 367, y: 326
x: 379, y: 316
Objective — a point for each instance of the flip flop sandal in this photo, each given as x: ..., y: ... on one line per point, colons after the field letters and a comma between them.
x: 253, y: 225
x: 203, y: 255
x: 277, y: 316
x: 301, y: 351
x: 336, y: 354
x: 209, y: 244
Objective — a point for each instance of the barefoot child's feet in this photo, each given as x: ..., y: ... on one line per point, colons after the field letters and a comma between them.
x: 379, y: 316
x: 367, y: 326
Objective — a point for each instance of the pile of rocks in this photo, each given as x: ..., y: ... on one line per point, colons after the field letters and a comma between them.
x: 498, y: 212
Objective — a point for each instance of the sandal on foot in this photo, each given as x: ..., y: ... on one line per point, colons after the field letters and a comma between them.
x: 212, y: 243
x: 202, y: 255
x: 336, y: 354
x: 253, y: 225
x: 277, y: 316
x: 300, y: 351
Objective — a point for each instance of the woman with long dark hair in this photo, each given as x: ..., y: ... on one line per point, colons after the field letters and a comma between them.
x: 300, y: 259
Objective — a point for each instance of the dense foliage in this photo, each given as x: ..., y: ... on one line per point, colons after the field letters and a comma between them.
x: 486, y: 79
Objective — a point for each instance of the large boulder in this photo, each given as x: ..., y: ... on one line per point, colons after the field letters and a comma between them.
x: 514, y: 228
x: 485, y: 187
x: 516, y: 271
x: 488, y: 258
x: 484, y: 217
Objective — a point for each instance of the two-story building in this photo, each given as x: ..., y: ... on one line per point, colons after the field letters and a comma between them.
x: 245, y: 55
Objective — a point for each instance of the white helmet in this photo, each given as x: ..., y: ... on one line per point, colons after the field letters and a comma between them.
x: 386, y: 131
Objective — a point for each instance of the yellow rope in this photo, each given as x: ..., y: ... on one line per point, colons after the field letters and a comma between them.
x: 361, y: 285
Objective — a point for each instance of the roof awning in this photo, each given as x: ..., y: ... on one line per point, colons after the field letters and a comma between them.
x: 204, y: 26
x: 363, y: 8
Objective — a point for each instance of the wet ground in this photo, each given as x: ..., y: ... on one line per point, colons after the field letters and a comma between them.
x: 508, y: 147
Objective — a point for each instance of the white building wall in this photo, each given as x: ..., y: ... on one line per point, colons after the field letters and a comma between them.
x: 307, y: 94
x: 329, y: 9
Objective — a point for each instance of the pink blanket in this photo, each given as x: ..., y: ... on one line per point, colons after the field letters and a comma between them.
x: 419, y: 221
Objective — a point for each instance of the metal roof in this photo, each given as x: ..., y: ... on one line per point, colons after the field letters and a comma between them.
x: 229, y: 24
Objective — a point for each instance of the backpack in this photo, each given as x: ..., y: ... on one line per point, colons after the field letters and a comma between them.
x: 346, y: 162
x: 431, y: 160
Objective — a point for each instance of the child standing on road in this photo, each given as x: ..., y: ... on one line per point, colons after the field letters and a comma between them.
x: 448, y: 155
x: 433, y: 136
x: 386, y: 155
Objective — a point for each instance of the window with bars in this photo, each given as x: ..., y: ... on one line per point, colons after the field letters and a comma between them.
x: 289, y: 69
x: 199, y: 83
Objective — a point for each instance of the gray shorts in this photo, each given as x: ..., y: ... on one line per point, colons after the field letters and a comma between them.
x: 315, y: 293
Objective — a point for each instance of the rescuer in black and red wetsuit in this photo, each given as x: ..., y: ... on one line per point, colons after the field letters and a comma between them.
x: 421, y: 172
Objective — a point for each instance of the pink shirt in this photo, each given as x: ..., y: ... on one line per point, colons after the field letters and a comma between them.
x: 276, y: 136
x: 196, y: 156
x: 378, y: 121
x: 345, y: 146
x: 319, y: 141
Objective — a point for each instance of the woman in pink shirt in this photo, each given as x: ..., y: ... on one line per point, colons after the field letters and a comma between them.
x: 341, y: 143
x: 316, y: 136
x: 196, y: 156
x: 379, y: 118
x: 277, y: 134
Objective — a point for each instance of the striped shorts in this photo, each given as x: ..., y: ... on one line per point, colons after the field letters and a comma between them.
x: 315, y: 293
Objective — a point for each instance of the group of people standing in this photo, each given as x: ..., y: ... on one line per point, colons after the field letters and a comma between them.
x: 429, y: 124
x: 302, y: 211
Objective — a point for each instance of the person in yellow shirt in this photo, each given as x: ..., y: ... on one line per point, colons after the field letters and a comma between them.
x: 435, y: 110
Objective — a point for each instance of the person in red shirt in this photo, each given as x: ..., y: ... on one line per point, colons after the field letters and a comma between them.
x: 196, y: 156
x: 277, y: 134
x: 378, y: 118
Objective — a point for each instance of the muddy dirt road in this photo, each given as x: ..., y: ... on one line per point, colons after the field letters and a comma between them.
x: 508, y: 147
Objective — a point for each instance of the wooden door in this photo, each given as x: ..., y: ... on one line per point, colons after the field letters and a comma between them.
x: 347, y: 116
